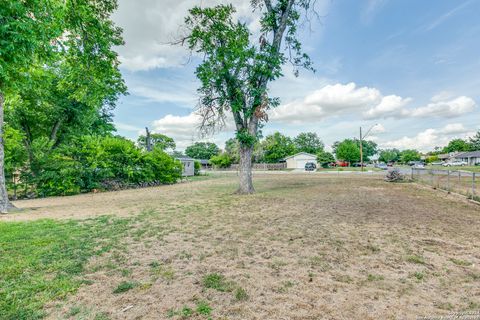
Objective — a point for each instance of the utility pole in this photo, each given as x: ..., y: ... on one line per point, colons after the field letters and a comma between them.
x: 148, y: 141
x: 361, y: 143
x: 361, y: 151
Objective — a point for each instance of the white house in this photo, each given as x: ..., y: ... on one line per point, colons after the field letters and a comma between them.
x: 471, y: 158
x: 298, y: 161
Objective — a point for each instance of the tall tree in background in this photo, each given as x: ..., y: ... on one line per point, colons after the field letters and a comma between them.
x: 457, y: 145
x: 157, y: 140
x: 409, y: 155
x: 202, y: 150
x: 348, y: 151
x: 236, y: 69
x: 474, y: 142
x: 308, y: 142
x: 389, y: 155
x: 276, y: 147
x: 70, y: 42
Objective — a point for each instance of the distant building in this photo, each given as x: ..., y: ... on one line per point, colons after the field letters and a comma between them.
x: 188, y: 166
x: 447, y: 156
x: 205, y: 164
x: 299, y: 160
x: 472, y: 158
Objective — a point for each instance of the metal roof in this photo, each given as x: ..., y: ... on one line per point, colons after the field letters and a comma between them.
x: 471, y: 154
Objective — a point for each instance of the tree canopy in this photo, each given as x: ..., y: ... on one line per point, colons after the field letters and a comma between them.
x: 457, y: 145
x: 308, y: 142
x: 236, y: 69
x: 389, y: 155
x: 348, y: 151
x: 410, y: 155
x: 202, y: 150
x: 157, y: 140
x: 276, y: 147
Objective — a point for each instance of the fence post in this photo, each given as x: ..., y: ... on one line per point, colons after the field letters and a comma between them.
x: 448, y: 180
x: 473, y: 185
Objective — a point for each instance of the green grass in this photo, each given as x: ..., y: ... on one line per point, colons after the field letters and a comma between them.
x: 416, y: 259
x: 465, y: 168
x: 365, y: 169
x: 42, y: 260
x: 218, y: 282
x: 124, y: 286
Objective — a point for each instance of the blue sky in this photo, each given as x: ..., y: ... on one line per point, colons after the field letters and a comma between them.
x: 409, y: 66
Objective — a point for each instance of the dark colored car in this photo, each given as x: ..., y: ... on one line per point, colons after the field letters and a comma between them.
x: 358, y: 165
x: 310, y: 166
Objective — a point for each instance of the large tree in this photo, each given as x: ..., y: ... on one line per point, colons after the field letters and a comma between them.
x: 308, y: 142
x: 389, y: 155
x: 157, y: 140
x: 236, y: 69
x: 276, y: 147
x: 348, y: 151
x: 202, y: 150
x: 474, y: 142
x: 457, y: 145
x: 409, y: 155
x: 69, y: 43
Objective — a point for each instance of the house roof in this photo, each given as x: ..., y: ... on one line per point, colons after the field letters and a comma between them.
x: 185, y: 159
x: 471, y: 154
x: 296, y: 154
x: 447, y: 155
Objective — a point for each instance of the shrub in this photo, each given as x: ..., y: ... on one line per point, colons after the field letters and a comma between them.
x: 222, y: 160
x: 101, y: 162
x: 197, y: 167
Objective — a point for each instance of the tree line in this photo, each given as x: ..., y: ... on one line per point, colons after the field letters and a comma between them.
x: 277, y: 146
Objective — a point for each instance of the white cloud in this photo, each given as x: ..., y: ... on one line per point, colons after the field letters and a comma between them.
x: 150, y: 26
x: 447, y: 109
x: 341, y: 99
x: 126, y: 127
x: 391, y: 105
x: 454, y: 128
x: 428, y: 139
x: 183, y: 129
x: 186, y: 129
x: 156, y: 95
x: 327, y: 101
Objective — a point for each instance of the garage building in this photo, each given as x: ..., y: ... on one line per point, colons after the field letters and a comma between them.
x: 298, y: 161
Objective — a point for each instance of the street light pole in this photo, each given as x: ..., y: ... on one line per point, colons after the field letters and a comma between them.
x: 361, y: 143
x: 361, y: 151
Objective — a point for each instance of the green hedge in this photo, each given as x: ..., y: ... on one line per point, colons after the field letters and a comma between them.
x: 99, y: 163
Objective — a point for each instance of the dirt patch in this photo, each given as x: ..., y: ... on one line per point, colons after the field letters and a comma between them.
x: 302, y: 247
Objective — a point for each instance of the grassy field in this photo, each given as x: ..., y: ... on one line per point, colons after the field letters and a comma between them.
x: 303, y: 247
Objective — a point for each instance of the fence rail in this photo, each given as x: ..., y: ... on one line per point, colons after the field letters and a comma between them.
x: 458, y: 181
x: 263, y: 166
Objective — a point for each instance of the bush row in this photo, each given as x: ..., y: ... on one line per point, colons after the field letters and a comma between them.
x: 92, y: 162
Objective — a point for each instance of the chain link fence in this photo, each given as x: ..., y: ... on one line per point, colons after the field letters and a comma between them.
x: 457, y: 181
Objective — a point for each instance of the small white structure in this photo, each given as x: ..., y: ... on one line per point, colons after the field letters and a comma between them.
x: 188, y: 166
x: 299, y: 160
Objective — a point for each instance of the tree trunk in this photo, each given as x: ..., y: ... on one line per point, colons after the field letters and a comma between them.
x: 245, y: 170
x: 4, y: 203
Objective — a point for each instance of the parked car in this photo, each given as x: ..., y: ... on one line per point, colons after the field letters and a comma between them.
x: 310, y: 166
x: 437, y: 163
x: 416, y: 163
x: 455, y: 163
x: 358, y: 165
x: 381, y: 165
